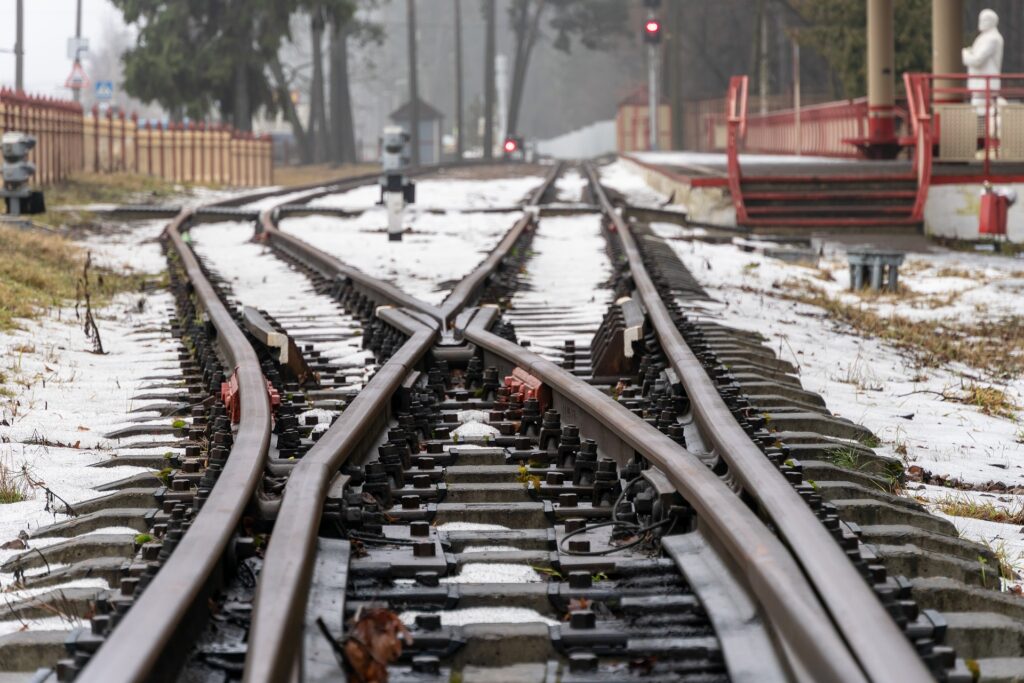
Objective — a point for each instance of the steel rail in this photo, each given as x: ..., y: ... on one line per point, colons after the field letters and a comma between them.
x: 140, y: 648
x: 276, y: 634
x: 283, y: 589
x: 470, y: 286
x: 788, y: 600
x: 388, y: 294
x: 873, y: 637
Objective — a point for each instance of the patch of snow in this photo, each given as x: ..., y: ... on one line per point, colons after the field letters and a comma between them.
x: 449, y: 194
x: 622, y: 177
x: 464, y: 416
x: 440, y: 249
x: 719, y: 158
x: 482, y: 615
x: 864, y: 379
x: 569, y: 186
x: 483, y: 572
x: 48, y: 624
x: 562, y: 294
x: 470, y: 526
x: 475, y: 430
x: 260, y: 279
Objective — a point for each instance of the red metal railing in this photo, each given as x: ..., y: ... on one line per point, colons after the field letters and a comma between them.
x: 991, y: 97
x: 830, y: 129
x: 736, y: 122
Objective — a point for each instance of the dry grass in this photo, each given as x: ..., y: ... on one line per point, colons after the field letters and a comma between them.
x: 38, y: 271
x: 96, y: 188
x: 13, y: 486
x: 990, y: 401
x: 292, y: 176
x: 995, y: 346
x: 967, y: 506
x: 950, y: 271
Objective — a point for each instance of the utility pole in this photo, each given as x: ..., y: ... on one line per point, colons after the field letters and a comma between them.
x: 78, y: 37
x: 652, y: 36
x: 19, y: 48
x: 414, y: 94
x: 796, y: 93
x: 674, y: 67
x: 489, y: 80
x: 762, y: 57
x: 459, y: 140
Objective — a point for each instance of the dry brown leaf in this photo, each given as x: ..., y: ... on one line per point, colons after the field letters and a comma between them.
x: 375, y: 640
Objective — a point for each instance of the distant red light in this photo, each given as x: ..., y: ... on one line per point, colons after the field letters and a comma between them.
x: 510, y: 146
x: 652, y: 26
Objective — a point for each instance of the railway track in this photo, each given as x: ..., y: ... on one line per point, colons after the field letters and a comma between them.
x: 505, y: 491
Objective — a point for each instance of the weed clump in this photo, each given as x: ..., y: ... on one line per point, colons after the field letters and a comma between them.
x: 40, y: 271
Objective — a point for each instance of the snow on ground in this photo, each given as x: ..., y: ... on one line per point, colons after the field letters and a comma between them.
x: 63, y: 398
x: 440, y: 249
x: 621, y: 177
x: 562, y: 295
x: 260, y: 279
x: 482, y: 615
x: 869, y: 381
x: 719, y: 158
x: 569, y: 186
x: 448, y: 194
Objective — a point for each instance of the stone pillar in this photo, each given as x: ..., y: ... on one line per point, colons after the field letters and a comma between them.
x: 947, y: 40
x: 881, y: 67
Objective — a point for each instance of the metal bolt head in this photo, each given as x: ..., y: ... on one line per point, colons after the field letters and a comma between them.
x: 428, y: 622
x: 424, y: 549
x: 582, y: 619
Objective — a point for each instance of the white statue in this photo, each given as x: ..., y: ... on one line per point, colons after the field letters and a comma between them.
x: 984, y: 58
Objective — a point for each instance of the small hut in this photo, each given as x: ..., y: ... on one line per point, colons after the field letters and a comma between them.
x: 430, y: 129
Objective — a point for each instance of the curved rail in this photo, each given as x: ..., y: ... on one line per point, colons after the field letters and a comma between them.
x: 283, y: 588
x: 767, y: 566
x: 281, y: 597
x: 142, y: 646
x: 139, y: 646
x: 388, y: 294
x: 873, y: 636
x: 788, y: 600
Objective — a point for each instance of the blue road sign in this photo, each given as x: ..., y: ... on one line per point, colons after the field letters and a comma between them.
x: 104, y: 90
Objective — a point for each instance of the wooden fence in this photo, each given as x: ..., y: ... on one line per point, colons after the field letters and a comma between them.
x: 57, y: 126
x: 70, y: 140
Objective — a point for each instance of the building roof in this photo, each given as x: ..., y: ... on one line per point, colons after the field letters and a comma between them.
x: 427, y: 112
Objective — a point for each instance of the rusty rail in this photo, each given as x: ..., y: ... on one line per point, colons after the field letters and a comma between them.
x: 789, y: 601
x: 145, y: 644
x: 142, y: 646
x: 874, y: 638
x: 283, y: 589
x: 277, y: 618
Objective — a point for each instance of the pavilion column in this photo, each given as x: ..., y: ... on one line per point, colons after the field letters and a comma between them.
x: 881, y: 68
x: 947, y: 40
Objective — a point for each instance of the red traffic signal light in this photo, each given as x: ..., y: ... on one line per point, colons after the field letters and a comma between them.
x: 511, y: 146
x: 652, y: 31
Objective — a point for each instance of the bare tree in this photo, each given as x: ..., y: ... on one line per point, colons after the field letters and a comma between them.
x: 342, y: 126
x: 319, y: 135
